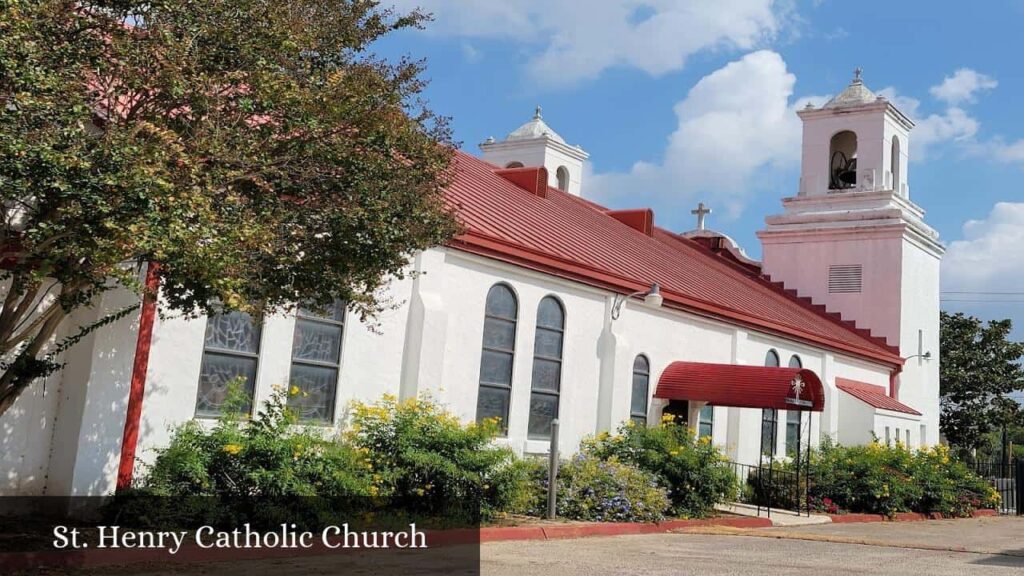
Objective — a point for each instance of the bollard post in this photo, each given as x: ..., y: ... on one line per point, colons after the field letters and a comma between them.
x: 553, y: 469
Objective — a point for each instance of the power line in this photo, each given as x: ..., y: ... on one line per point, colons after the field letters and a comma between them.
x: 984, y: 293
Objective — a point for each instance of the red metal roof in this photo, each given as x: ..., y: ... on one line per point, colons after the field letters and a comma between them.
x: 873, y: 395
x: 742, y: 386
x: 568, y: 236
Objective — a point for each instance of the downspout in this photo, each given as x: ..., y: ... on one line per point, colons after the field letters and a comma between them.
x: 133, y: 414
x: 894, y: 389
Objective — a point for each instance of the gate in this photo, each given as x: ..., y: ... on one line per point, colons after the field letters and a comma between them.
x: 1007, y: 478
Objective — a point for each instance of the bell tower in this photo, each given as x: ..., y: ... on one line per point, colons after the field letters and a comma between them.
x: 852, y: 240
x: 536, y: 144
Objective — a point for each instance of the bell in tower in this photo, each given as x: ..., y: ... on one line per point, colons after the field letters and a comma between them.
x: 854, y: 143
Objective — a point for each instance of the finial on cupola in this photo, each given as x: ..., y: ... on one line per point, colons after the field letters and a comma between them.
x: 536, y: 113
x: 857, y: 72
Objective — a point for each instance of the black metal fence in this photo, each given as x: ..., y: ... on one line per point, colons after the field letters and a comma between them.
x: 771, y: 488
x: 1007, y: 478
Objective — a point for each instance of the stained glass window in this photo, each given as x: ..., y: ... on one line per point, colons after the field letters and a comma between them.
x: 641, y: 387
x: 230, y: 356
x: 547, y: 368
x: 316, y: 360
x: 500, y: 313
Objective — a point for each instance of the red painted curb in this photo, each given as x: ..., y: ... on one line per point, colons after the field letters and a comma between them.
x: 903, y: 517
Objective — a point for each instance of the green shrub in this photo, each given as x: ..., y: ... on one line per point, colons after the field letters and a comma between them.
x: 880, y: 479
x: 695, y: 473
x: 262, y: 471
x: 594, y: 489
x: 424, y: 460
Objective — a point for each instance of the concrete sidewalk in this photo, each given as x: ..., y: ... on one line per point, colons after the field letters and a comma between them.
x: 778, y: 517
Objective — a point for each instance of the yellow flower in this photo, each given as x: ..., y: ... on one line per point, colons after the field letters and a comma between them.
x: 294, y: 390
x: 419, y: 491
x: 667, y: 418
x: 232, y: 448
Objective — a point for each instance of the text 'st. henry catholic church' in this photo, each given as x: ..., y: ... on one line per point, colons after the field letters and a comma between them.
x: 550, y: 306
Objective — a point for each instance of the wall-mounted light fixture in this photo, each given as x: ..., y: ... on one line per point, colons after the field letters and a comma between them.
x: 925, y: 356
x: 652, y: 297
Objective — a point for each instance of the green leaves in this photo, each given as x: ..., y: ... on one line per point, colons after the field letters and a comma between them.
x: 258, y: 150
x: 980, y: 367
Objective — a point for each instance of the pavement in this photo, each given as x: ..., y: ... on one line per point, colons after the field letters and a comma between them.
x: 778, y: 517
x: 937, y: 548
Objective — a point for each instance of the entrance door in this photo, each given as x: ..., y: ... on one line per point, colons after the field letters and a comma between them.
x: 679, y: 410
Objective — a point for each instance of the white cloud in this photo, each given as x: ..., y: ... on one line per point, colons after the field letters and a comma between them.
x: 952, y: 125
x: 735, y: 123
x: 988, y: 259
x: 962, y: 86
x: 568, y: 41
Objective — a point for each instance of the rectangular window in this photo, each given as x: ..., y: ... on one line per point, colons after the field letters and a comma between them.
x: 793, y: 418
x: 769, y: 428
x: 908, y: 437
x: 230, y: 357
x: 316, y: 360
x: 706, y: 422
x: 845, y: 279
x: 888, y: 440
x: 921, y: 439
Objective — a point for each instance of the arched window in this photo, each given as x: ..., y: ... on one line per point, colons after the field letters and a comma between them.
x: 842, y: 161
x: 547, y: 368
x: 895, y: 163
x: 514, y: 165
x: 769, y: 416
x: 499, y: 348
x: 641, y: 387
x: 793, y: 417
x: 563, y: 177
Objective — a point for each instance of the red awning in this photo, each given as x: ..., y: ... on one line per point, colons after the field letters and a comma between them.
x: 873, y: 396
x: 742, y: 386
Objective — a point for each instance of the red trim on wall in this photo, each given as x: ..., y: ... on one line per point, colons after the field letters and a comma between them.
x: 133, y: 414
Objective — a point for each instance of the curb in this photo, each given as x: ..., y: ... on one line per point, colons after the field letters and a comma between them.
x: 904, y: 517
x: 10, y: 561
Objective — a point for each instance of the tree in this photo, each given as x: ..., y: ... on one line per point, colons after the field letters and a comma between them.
x: 980, y: 368
x: 257, y: 150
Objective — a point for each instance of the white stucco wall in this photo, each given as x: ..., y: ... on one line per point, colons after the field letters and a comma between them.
x: 428, y: 343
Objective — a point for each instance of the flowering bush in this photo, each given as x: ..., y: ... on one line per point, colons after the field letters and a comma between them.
x: 424, y: 460
x: 262, y: 471
x: 880, y: 479
x: 599, y: 490
x: 695, y: 473
x: 396, y: 458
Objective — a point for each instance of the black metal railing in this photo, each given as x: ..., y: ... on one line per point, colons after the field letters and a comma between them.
x: 1007, y: 478
x: 769, y: 487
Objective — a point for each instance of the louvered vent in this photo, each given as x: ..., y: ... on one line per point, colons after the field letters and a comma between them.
x: 844, y: 279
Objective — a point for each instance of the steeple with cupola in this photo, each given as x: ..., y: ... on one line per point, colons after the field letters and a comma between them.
x: 852, y: 240
x: 536, y: 144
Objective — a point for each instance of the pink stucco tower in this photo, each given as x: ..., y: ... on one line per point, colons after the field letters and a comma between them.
x: 852, y: 239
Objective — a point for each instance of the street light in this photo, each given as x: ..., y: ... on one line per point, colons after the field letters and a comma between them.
x: 652, y: 297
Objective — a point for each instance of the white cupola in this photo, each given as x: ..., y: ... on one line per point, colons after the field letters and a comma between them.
x: 536, y: 144
x: 858, y: 141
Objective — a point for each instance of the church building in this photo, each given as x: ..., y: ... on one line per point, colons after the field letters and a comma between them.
x: 551, y: 306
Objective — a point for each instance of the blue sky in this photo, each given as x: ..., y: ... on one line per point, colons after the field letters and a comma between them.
x: 684, y: 100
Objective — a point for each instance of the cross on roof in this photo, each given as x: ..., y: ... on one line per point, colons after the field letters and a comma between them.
x: 700, y: 212
x: 856, y: 73
x: 536, y: 113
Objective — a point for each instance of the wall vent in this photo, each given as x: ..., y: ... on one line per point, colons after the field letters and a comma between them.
x: 845, y: 279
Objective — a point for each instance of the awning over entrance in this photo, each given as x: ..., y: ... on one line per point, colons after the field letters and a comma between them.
x: 742, y: 386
